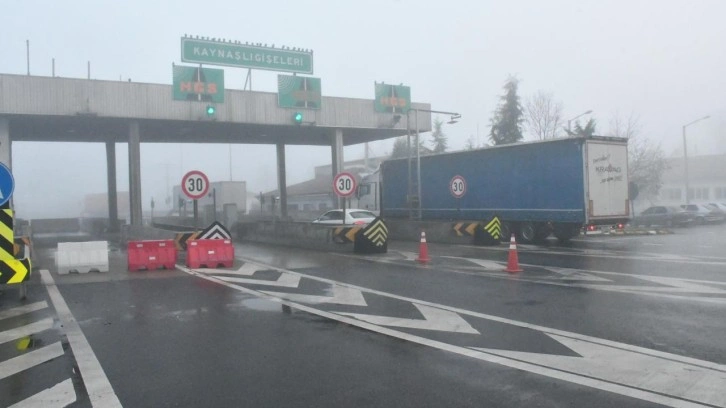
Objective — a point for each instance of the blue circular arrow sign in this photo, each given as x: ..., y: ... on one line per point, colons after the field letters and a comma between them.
x: 7, y: 184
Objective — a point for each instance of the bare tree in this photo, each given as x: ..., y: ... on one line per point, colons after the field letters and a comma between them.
x: 646, y: 159
x: 543, y: 115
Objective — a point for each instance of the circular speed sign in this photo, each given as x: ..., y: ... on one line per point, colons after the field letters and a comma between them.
x: 344, y: 184
x: 195, y: 184
x: 457, y: 186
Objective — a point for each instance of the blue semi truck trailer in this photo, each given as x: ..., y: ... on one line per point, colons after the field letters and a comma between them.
x: 555, y: 186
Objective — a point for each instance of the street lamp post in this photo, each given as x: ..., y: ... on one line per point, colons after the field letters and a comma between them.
x: 569, y: 121
x: 454, y: 118
x: 685, y: 155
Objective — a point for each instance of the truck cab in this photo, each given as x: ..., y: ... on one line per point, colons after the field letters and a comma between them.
x: 368, y: 192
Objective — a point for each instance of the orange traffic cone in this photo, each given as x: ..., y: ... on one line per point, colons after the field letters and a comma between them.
x: 513, y: 261
x: 423, y: 250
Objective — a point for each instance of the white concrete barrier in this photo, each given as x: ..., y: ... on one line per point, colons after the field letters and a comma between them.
x: 82, y: 257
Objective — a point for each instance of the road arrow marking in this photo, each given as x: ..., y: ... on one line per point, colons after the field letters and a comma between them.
x: 285, y: 280
x: 341, y: 295
x: 434, y: 319
x: 665, y: 398
x: 248, y: 269
x: 484, y: 263
x: 410, y: 256
x: 632, y: 369
x: 574, y: 274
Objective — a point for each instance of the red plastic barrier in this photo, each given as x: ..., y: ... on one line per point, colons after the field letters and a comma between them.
x: 210, y: 253
x: 151, y: 255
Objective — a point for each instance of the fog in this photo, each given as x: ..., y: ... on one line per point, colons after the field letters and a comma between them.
x: 661, y: 61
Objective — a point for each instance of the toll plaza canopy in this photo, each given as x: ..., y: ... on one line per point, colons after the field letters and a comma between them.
x: 53, y: 109
x: 80, y: 110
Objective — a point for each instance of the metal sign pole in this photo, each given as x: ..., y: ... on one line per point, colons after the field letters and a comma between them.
x: 196, y: 214
x: 344, y: 200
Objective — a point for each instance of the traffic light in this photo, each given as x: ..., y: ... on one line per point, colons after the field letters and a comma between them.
x: 297, y: 118
x: 211, y: 110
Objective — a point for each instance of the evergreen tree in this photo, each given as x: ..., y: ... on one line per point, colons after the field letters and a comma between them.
x: 400, y: 147
x: 438, y: 138
x: 508, y: 118
x: 579, y: 131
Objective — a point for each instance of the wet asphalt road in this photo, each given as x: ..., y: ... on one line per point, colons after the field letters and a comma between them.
x: 386, y: 331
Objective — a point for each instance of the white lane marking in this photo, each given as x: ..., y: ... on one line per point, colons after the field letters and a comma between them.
x: 631, y: 369
x: 410, y: 256
x: 97, y: 385
x: 477, y: 314
x: 575, y: 274
x: 340, y: 296
x: 484, y: 263
x: 248, y: 269
x: 59, y: 396
x: 434, y: 319
x: 21, y: 310
x: 672, y: 285
x: 651, y: 244
x: 641, y: 256
x: 27, y: 330
x: 668, y: 400
x: 29, y: 360
x: 285, y: 280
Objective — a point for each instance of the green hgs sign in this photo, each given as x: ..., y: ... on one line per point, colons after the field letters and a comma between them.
x: 298, y: 92
x: 198, y: 84
x: 392, y: 98
x: 230, y: 54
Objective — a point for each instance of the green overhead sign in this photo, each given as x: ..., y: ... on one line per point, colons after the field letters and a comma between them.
x: 235, y: 54
x: 198, y: 84
x: 392, y: 98
x: 298, y: 92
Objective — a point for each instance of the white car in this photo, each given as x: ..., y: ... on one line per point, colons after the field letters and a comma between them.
x: 352, y: 217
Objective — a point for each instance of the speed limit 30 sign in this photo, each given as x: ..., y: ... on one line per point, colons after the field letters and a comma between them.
x: 457, y: 186
x: 195, y: 184
x: 344, y: 184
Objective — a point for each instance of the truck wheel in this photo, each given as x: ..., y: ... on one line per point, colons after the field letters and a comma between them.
x: 542, y: 231
x: 506, y: 232
x: 527, y: 233
x: 566, y: 232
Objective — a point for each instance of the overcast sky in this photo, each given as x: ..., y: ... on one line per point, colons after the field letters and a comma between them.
x: 664, y: 61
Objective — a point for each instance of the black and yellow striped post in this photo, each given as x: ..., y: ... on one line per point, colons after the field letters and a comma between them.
x: 14, y: 271
x: 7, y: 243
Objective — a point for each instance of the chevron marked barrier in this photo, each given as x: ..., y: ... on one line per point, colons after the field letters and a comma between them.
x: 181, y: 239
x: 14, y: 271
x: 344, y: 235
x: 494, y: 228
x: 373, y: 238
x: 215, y: 231
x: 465, y: 228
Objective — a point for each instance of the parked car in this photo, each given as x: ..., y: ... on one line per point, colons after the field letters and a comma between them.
x: 663, y: 216
x: 719, y: 206
x: 702, y: 214
x: 352, y: 216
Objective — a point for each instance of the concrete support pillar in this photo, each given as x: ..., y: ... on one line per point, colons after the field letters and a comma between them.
x: 5, y: 143
x: 6, y: 151
x: 135, y: 174
x: 282, y: 179
x: 112, y: 191
x: 336, y: 145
